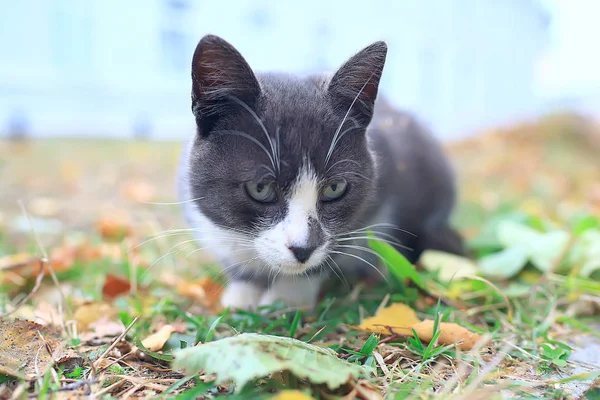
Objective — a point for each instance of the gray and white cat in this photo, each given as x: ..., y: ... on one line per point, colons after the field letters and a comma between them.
x: 286, y: 175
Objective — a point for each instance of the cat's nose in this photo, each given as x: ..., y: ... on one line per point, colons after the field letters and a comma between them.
x: 302, y: 253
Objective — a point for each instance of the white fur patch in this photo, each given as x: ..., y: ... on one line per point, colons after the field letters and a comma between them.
x: 232, y: 249
x: 241, y: 295
x: 293, y: 291
x: 273, y: 244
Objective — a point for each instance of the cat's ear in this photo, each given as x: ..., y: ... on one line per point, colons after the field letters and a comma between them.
x: 221, y: 79
x: 354, y: 86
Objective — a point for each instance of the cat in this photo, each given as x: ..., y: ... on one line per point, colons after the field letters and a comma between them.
x: 286, y: 175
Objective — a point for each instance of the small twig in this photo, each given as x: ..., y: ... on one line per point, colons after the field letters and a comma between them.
x: 117, y: 340
x: 67, y: 388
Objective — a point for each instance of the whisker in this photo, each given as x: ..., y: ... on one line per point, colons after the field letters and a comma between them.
x: 234, y: 240
x: 245, y: 135
x: 333, y: 141
x: 341, y: 161
x: 243, y: 104
x: 382, y: 225
x: 340, y: 277
x: 278, y: 146
x: 391, y: 242
x: 361, y: 259
x: 170, y: 203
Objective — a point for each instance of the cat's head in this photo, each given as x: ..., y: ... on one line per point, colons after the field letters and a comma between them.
x: 282, y: 160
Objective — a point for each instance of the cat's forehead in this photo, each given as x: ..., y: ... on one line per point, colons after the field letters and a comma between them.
x: 293, y: 98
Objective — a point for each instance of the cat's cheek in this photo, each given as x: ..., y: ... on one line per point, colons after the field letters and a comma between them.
x: 242, y: 295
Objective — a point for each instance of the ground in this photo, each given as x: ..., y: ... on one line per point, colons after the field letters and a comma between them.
x: 124, y: 287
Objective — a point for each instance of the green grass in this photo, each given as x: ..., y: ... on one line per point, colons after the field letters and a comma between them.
x: 531, y: 318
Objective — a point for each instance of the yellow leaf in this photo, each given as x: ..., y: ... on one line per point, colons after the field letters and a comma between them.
x: 157, y: 340
x: 292, y: 395
x: 450, y: 334
x: 205, y: 291
x: 89, y: 313
x: 395, y: 319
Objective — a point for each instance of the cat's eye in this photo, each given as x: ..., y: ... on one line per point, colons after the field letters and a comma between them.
x: 261, y: 191
x: 334, y: 190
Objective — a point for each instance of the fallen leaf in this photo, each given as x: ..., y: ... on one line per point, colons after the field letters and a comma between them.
x: 364, y: 390
x: 504, y: 264
x: 449, y: 266
x: 88, y: 313
x: 114, y: 226
x: 397, y: 318
x: 157, y: 340
x: 115, y: 286
x: 205, y: 291
x: 542, y: 249
x: 291, y: 395
x: 16, y: 269
x: 400, y: 319
x: 104, y: 327
x: 249, y: 356
x: 138, y: 191
x: 27, y: 348
x: 450, y: 334
x: 19, y: 260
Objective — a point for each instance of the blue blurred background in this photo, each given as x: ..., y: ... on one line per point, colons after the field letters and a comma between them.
x: 115, y: 68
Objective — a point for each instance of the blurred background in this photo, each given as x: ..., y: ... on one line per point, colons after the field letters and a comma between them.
x: 101, y: 91
x: 111, y: 68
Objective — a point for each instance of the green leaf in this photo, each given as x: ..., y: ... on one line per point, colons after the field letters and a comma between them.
x: 249, y: 356
x: 593, y: 394
x: 370, y: 345
x: 513, y: 234
x: 505, y: 264
x: 448, y: 266
x: 585, y: 223
x: 398, y: 265
x: 586, y: 253
x: 546, y: 250
x: 559, y: 362
x: 542, y: 249
x: 295, y: 323
x: 153, y: 354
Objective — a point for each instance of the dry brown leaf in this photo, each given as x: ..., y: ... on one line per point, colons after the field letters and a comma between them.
x: 115, y: 286
x: 103, y: 328
x: 114, y: 226
x: 398, y: 318
x: 88, y: 313
x: 138, y: 191
x: 16, y: 261
x: 450, y: 334
x: 27, y: 348
x: 62, y: 258
x: 157, y: 340
x: 205, y: 291
x: 292, y: 395
x: 364, y: 390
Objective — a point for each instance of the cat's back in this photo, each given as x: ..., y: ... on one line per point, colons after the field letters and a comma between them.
x: 414, y: 172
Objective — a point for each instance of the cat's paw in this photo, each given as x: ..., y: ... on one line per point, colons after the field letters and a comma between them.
x: 295, y: 293
x: 242, y: 295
